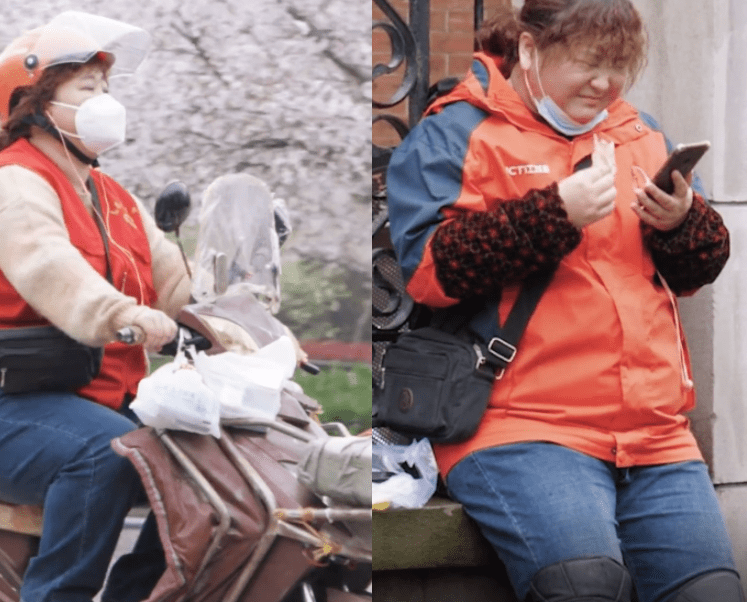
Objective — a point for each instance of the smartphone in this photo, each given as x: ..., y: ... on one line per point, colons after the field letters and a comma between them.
x: 683, y: 159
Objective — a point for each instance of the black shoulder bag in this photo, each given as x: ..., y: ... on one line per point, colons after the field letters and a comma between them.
x: 43, y: 358
x: 436, y: 380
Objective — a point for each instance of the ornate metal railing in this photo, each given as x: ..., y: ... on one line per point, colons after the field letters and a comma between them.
x: 409, y: 46
x: 409, y: 54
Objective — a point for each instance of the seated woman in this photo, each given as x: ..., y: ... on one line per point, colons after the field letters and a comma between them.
x: 583, y: 473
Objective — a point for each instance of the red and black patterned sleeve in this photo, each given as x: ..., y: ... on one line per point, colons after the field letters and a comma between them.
x: 480, y: 253
x: 693, y: 254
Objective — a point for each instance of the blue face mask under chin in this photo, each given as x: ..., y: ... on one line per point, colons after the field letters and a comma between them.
x: 558, y: 119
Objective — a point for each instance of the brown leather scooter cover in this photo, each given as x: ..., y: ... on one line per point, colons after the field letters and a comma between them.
x: 15, y: 551
x: 187, y: 521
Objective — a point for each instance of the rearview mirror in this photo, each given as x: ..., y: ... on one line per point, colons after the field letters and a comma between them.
x: 172, y: 207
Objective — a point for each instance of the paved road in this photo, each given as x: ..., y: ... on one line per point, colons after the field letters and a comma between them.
x: 128, y: 537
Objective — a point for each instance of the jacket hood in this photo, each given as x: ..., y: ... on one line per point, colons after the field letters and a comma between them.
x: 485, y: 88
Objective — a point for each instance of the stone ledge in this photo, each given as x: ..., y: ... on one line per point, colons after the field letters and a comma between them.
x: 435, y: 554
x: 436, y: 536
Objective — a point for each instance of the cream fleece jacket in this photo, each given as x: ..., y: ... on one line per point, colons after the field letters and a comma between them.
x: 38, y: 259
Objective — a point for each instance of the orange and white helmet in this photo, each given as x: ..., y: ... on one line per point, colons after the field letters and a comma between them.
x: 71, y: 37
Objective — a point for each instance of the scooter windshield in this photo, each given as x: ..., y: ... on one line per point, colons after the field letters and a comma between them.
x: 238, y: 250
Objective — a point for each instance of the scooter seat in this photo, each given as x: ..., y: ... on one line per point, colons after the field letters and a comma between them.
x: 21, y: 519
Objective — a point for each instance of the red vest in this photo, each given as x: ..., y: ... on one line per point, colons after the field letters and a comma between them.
x: 123, y: 366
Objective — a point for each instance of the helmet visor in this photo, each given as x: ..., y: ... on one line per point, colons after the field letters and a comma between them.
x: 75, y: 37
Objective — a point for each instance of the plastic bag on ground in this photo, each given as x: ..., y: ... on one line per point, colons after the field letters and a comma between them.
x: 405, y: 475
x: 176, y: 397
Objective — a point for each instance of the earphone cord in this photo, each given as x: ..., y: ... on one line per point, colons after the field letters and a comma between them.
x: 687, y: 381
x: 104, y: 225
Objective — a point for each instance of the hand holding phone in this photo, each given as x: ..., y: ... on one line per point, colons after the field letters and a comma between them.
x: 657, y: 204
x: 683, y: 159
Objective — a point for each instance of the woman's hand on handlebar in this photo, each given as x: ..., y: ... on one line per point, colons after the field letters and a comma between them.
x: 152, y: 328
x: 134, y: 335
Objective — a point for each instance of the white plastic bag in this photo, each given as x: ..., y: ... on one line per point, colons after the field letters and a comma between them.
x: 401, y: 489
x: 175, y: 397
x: 282, y: 352
x: 248, y: 386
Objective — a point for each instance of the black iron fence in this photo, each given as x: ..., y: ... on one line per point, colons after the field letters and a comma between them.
x: 409, y: 55
x: 410, y: 46
x: 409, y: 42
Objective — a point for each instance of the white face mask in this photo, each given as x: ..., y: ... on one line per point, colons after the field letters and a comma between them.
x: 100, y: 122
x: 558, y: 119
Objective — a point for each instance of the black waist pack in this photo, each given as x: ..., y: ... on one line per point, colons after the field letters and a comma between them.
x: 43, y: 358
x: 436, y: 381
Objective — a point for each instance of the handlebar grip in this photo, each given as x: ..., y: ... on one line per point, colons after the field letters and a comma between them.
x: 131, y: 335
x: 134, y: 335
x: 195, y: 338
x: 312, y: 369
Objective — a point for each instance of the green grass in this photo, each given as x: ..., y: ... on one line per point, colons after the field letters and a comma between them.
x: 344, y: 391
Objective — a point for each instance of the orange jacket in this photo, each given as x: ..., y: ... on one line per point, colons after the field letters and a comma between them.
x: 602, y: 367
x: 123, y: 366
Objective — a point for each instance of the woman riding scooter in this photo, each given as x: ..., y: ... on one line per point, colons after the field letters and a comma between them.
x: 79, y: 253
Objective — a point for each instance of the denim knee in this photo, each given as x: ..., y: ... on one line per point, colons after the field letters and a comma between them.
x: 109, y: 468
x: 538, y: 504
x: 47, y: 436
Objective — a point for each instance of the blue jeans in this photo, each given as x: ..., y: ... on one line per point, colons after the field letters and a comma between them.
x: 55, y: 450
x: 539, y: 503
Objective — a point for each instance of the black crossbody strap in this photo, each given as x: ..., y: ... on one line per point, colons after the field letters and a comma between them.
x: 522, y: 311
x: 472, y: 319
x: 501, y: 346
x: 98, y: 217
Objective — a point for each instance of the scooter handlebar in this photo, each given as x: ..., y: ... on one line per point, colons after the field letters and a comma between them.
x: 312, y: 369
x: 134, y: 335
x: 131, y: 335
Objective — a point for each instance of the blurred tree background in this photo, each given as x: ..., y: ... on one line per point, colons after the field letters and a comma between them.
x: 279, y: 89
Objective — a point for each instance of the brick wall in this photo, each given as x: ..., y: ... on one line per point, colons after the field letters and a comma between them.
x: 451, y: 44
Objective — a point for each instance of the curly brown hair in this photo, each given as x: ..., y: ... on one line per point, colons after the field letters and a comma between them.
x: 612, y: 28
x: 28, y: 101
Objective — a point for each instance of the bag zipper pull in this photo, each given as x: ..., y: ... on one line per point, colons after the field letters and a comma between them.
x: 2, y: 377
